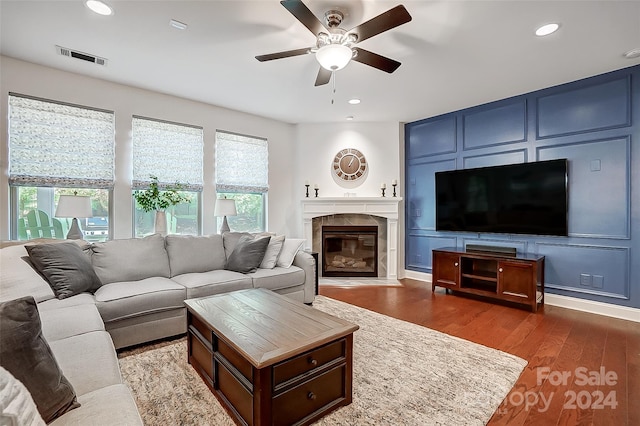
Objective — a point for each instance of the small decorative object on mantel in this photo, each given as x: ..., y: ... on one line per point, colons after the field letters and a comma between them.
x: 306, y: 183
x: 383, y: 187
x: 315, y: 187
x: 394, y: 183
x: 153, y: 199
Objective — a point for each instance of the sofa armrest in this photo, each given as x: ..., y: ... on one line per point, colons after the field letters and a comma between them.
x: 307, y: 263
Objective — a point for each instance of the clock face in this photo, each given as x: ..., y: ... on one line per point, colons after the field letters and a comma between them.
x: 349, y: 164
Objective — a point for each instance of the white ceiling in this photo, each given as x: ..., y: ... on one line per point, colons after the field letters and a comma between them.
x: 454, y: 54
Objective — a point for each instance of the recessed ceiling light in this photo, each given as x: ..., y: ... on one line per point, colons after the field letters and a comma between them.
x: 354, y: 101
x: 178, y: 25
x: 99, y: 7
x: 350, y: 117
x: 633, y: 53
x: 547, y: 29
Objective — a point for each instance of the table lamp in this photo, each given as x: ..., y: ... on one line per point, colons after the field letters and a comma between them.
x: 225, y: 207
x: 74, y: 206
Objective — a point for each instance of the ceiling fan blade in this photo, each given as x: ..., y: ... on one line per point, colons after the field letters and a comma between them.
x: 280, y: 55
x: 374, y: 60
x: 304, y: 15
x: 381, y: 23
x: 324, y: 76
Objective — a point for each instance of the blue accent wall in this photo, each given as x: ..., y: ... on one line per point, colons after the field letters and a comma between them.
x: 595, y: 124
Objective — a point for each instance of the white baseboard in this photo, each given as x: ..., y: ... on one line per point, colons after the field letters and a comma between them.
x: 599, y: 308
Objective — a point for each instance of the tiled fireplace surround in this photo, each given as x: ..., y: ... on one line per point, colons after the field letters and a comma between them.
x: 349, y: 211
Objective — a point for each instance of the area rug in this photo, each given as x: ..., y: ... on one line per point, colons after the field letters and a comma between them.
x: 404, y: 374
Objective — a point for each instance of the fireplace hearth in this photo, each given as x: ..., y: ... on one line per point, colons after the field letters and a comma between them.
x: 350, y: 251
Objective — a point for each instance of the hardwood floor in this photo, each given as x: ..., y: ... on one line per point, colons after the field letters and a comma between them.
x: 555, y: 341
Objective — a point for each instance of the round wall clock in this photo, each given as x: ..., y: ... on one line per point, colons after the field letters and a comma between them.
x: 349, y: 164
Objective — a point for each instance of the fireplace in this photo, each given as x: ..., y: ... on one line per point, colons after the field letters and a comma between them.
x: 350, y: 251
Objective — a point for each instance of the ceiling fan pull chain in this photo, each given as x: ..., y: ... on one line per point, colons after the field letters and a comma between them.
x: 333, y: 95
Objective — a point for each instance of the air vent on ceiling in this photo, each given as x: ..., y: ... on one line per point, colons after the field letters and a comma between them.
x: 64, y: 51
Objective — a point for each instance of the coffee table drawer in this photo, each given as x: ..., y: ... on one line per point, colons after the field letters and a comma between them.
x: 309, y: 397
x: 235, y: 359
x: 308, y: 361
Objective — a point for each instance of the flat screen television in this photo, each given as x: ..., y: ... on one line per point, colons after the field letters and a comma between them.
x: 527, y: 198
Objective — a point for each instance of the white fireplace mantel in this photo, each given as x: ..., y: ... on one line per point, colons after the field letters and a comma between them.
x: 386, y: 207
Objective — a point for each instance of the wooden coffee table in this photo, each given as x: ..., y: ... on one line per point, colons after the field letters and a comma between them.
x: 269, y: 359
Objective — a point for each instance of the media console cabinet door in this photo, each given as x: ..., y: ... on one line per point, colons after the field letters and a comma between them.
x: 446, y: 270
x: 514, y: 280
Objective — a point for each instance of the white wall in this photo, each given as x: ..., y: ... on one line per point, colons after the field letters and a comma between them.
x: 35, y: 80
x: 319, y: 143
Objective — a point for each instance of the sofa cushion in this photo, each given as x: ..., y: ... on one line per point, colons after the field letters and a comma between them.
x: 27, y: 356
x: 65, y: 266
x: 189, y: 253
x: 88, y: 361
x: 130, y: 259
x: 111, y: 405
x: 278, y: 278
x: 61, y: 323
x: 128, y: 299
x: 18, y: 278
x: 248, y: 254
x: 213, y: 282
x: 290, y: 248
x: 273, y: 251
x: 78, y: 299
x: 16, y: 402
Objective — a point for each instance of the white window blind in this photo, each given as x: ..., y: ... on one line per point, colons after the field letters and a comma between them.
x: 170, y: 151
x: 59, y: 145
x: 242, y: 163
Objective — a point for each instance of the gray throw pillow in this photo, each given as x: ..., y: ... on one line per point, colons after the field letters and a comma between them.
x: 27, y: 356
x: 247, y: 254
x: 65, y: 266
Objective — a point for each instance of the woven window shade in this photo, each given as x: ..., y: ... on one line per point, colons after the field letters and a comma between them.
x: 59, y: 145
x: 170, y: 151
x: 242, y: 163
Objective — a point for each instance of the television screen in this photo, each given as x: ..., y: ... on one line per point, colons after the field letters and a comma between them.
x: 527, y: 198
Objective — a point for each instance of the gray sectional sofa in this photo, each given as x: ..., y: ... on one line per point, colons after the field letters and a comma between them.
x: 144, y: 284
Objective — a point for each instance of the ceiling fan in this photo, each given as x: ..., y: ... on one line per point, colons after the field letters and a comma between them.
x: 334, y: 47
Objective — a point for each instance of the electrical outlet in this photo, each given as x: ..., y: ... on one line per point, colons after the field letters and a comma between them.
x: 598, y: 281
x: 585, y: 279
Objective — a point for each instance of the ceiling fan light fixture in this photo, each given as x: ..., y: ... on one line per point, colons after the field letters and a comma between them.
x: 334, y: 57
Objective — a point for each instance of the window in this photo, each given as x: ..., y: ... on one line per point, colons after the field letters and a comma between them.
x: 173, y: 153
x: 57, y: 148
x: 242, y: 173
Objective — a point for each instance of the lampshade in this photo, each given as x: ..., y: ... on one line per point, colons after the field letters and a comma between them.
x: 334, y: 57
x: 225, y: 207
x: 74, y: 206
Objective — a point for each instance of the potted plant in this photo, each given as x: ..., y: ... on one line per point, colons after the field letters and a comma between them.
x: 154, y: 199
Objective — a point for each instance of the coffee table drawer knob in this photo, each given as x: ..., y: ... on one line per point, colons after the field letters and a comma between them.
x: 312, y: 361
x: 311, y: 396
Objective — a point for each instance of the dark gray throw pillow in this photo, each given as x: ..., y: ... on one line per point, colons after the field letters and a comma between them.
x: 66, y: 268
x: 247, y: 254
x: 27, y: 356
